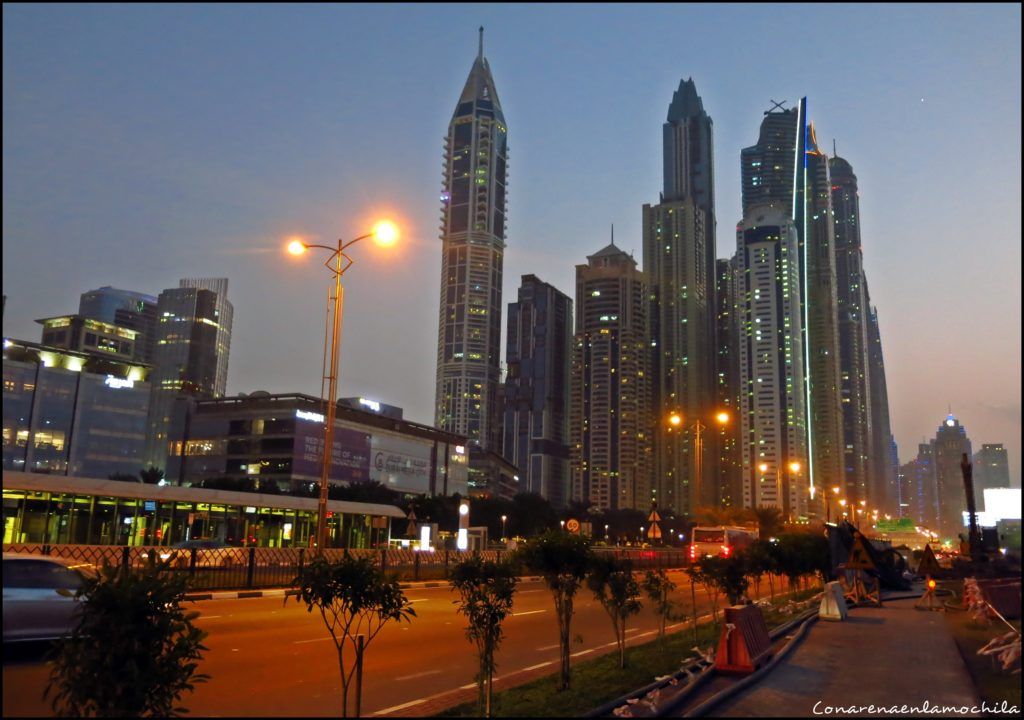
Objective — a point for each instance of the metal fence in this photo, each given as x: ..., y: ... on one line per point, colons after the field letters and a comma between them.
x: 254, y: 567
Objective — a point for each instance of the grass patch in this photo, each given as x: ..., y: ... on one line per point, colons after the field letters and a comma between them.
x: 599, y: 680
x: 992, y: 683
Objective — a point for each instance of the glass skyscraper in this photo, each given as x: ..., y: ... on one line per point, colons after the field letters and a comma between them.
x: 473, y: 246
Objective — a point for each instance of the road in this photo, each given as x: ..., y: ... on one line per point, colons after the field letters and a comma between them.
x: 267, y: 658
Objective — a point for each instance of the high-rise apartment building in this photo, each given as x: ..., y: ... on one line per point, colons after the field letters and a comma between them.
x: 991, y: 470
x: 852, y: 307
x: 124, y: 308
x: 610, y: 423
x: 921, y: 499
x: 772, y: 401
x: 679, y: 264
x: 185, y: 360
x: 950, y: 443
x: 729, y: 481
x: 883, y: 466
x: 786, y: 171
x: 538, y: 359
x: 473, y: 245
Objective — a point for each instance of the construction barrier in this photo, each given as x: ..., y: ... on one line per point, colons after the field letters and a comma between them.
x: 833, y: 603
x: 744, y: 645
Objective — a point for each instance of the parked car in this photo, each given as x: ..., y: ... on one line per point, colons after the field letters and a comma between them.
x: 209, y: 553
x: 34, y: 609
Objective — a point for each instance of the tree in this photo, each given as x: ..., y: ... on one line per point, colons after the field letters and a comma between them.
x: 760, y: 562
x: 531, y: 515
x: 730, y: 575
x: 562, y: 559
x: 659, y: 589
x: 707, y: 575
x: 612, y: 582
x: 151, y: 475
x: 356, y: 600
x: 133, y: 652
x: 769, y: 521
x: 485, y: 597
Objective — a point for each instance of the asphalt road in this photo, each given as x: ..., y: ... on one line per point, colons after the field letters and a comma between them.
x: 267, y: 658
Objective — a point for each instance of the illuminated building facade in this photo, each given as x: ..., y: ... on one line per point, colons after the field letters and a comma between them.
x: 991, y: 470
x: 772, y: 409
x: 609, y: 417
x: 679, y: 265
x: 884, y: 464
x: 74, y: 332
x: 223, y: 316
x: 473, y: 246
x: 786, y: 171
x: 72, y: 412
x: 124, y: 308
x: 729, y: 481
x: 538, y: 358
x: 185, y: 359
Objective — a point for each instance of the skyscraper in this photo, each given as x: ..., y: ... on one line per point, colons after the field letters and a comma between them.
x: 223, y: 315
x: 852, y: 306
x: 882, y: 468
x: 610, y: 420
x: 185, y: 362
x: 950, y: 444
x: 991, y: 470
x: 786, y: 171
x: 473, y: 245
x: 679, y: 264
x: 538, y: 358
x: 730, y: 471
x: 772, y: 401
x: 124, y: 308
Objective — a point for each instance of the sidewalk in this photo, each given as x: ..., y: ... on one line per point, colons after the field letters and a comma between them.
x: 891, y: 657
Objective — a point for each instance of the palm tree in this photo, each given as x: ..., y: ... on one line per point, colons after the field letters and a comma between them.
x: 151, y: 475
x: 769, y: 521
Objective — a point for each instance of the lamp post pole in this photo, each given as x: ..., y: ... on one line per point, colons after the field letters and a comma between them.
x: 332, y: 399
x: 385, y: 234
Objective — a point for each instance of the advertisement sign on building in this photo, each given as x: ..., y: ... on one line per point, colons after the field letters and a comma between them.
x: 402, y: 465
x: 350, y: 456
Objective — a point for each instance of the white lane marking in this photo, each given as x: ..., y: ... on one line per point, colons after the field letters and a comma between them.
x: 419, y: 675
x: 420, y: 600
x: 548, y: 647
x: 583, y: 652
x: 411, y: 703
x: 523, y: 592
x: 299, y: 642
x: 528, y: 612
x: 208, y: 617
x: 629, y: 630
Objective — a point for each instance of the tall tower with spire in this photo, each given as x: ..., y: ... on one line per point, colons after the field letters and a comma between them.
x: 679, y: 264
x: 472, y: 248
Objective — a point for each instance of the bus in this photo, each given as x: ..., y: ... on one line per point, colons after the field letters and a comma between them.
x: 724, y: 541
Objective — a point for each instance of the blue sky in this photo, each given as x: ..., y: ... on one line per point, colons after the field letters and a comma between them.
x: 146, y: 143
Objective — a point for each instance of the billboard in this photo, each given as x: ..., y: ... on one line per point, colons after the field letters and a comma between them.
x: 400, y: 464
x: 350, y: 455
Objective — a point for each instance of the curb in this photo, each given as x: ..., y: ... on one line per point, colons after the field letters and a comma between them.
x: 282, y: 592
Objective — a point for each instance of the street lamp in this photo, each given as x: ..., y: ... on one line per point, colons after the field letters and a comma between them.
x: 782, y: 499
x: 606, y: 532
x: 562, y: 523
x: 503, y: 519
x: 675, y: 421
x: 384, y: 233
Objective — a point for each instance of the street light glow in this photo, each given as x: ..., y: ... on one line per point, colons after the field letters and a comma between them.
x: 385, y: 233
x: 296, y: 247
x: 675, y: 419
x: 794, y: 466
x: 763, y: 467
x: 722, y: 418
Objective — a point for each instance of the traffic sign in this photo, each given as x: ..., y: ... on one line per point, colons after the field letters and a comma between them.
x: 654, y: 532
x: 928, y: 565
x: 572, y: 525
x: 859, y: 558
x: 654, y: 517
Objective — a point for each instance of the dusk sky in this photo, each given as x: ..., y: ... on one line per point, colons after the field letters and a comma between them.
x: 145, y: 144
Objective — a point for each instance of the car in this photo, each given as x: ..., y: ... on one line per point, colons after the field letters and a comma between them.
x: 209, y: 553
x: 35, y: 608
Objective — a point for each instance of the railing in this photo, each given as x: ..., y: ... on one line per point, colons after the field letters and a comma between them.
x: 254, y: 567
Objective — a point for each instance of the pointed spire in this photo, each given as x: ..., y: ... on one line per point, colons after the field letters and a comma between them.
x: 834, y: 153
x: 613, y: 234
x: 480, y: 53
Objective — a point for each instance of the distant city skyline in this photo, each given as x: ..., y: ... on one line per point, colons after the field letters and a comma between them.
x: 146, y: 144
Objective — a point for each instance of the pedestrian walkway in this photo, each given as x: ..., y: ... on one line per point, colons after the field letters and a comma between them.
x: 901, y: 660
